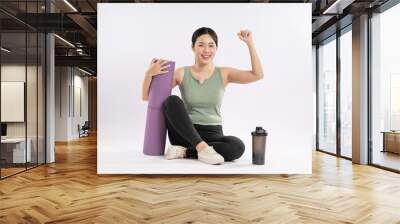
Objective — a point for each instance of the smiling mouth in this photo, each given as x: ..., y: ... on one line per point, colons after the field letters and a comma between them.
x: 205, y: 56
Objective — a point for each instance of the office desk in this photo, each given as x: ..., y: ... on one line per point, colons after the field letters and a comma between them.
x: 391, y: 141
x: 13, y: 150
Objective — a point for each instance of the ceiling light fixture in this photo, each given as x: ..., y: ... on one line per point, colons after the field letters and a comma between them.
x: 70, y: 5
x: 5, y: 50
x: 84, y: 71
x: 337, y: 7
x: 64, y: 40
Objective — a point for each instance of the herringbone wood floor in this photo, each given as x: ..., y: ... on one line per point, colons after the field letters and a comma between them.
x: 70, y: 191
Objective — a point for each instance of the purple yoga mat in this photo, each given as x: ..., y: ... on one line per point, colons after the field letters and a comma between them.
x: 156, y: 130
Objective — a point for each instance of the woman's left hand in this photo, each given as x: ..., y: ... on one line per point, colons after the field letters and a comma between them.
x: 246, y: 36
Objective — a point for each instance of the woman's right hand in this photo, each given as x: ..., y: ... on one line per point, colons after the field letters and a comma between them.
x: 157, y: 66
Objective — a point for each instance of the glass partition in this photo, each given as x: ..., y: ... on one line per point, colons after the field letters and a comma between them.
x: 13, y: 108
x: 22, y: 63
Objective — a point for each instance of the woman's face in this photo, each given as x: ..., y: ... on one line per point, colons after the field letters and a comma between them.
x: 204, y: 49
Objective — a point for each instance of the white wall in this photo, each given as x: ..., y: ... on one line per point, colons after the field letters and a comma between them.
x: 129, y: 35
x: 81, y: 84
x: 17, y: 73
x: 68, y: 81
x: 61, y: 103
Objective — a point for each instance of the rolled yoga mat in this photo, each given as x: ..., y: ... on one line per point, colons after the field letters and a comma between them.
x: 156, y: 130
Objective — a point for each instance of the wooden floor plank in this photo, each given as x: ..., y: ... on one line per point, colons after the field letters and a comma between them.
x: 70, y: 191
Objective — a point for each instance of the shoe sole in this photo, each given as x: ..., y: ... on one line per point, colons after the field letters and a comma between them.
x: 217, y: 163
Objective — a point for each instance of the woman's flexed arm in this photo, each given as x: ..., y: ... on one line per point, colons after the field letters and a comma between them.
x: 256, y: 72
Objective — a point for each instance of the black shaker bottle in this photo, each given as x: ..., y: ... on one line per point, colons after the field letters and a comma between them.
x: 259, y: 139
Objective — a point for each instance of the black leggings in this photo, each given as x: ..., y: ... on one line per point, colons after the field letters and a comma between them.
x: 181, y: 131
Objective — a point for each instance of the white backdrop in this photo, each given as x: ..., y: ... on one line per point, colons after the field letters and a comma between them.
x: 130, y: 35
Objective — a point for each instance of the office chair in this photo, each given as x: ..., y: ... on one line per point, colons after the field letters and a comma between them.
x: 84, y: 130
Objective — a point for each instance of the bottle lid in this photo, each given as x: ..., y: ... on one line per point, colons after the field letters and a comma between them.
x: 259, y: 132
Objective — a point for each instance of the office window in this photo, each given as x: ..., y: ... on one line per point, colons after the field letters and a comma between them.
x: 327, y: 96
x: 346, y: 94
x: 385, y: 91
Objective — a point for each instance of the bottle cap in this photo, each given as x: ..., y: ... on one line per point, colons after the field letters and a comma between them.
x: 259, y: 132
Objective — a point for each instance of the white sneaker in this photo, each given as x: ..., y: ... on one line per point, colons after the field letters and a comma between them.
x: 175, y: 152
x: 210, y: 156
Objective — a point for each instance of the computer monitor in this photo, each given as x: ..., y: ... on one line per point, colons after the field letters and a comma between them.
x: 3, y: 129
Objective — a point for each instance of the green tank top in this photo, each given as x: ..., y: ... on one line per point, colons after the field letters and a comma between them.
x: 203, y: 101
